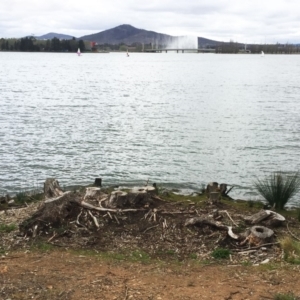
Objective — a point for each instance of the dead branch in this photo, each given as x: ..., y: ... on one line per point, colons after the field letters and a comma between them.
x: 226, y: 212
x: 295, y: 237
x: 94, y: 219
x: 90, y: 206
x: 207, y: 221
x: 57, y: 198
x: 150, y: 228
x: 257, y: 247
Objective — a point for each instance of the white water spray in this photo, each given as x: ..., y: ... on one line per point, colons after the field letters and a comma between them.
x: 183, y: 42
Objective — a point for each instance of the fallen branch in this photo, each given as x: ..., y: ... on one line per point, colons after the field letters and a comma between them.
x: 52, y: 237
x: 295, y: 237
x: 150, y: 228
x: 226, y: 212
x: 206, y: 221
x: 57, y: 198
x: 256, y: 247
x: 94, y: 219
x: 90, y: 206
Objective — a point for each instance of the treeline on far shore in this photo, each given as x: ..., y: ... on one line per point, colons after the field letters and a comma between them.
x: 31, y: 44
x: 232, y: 47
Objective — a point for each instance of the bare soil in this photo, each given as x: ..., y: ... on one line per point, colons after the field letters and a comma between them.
x: 66, y: 275
x: 144, y: 254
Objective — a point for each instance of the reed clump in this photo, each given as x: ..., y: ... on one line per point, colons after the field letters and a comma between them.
x: 278, y: 188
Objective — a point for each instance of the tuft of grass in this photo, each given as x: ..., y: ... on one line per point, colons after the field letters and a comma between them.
x: 291, y: 250
x: 193, y: 256
x: 7, y: 228
x: 28, y: 197
x: 43, y: 246
x: 289, y: 296
x: 278, y: 188
x: 139, y: 255
x: 221, y: 253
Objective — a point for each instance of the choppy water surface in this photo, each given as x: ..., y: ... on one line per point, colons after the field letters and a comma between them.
x: 175, y: 119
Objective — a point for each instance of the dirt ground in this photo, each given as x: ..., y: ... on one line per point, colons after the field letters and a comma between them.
x: 67, y: 251
x: 66, y: 275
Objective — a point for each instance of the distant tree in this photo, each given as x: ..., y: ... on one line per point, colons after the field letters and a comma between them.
x: 55, y: 45
x: 123, y: 48
x: 81, y: 45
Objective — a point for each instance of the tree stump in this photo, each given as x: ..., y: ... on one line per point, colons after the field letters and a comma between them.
x: 274, y: 219
x: 92, y: 192
x: 256, y: 218
x: 223, y: 189
x: 117, y: 199
x: 212, y: 187
x: 214, y: 197
x: 258, y: 235
x: 98, y: 182
x: 267, y: 217
x: 52, y: 188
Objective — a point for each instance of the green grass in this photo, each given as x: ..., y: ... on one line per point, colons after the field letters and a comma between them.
x: 220, y: 253
x: 42, y: 246
x: 7, y: 228
x: 28, y: 197
x: 291, y: 249
x: 193, y: 256
x: 289, y: 296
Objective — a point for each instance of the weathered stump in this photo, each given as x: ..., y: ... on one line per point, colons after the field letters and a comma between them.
x: 98, y: 182
x: 212, y: 187
x: 52, y: 188
x: 214, y: 197
x: 258, y: 235
x: 256, y: 218
x: 92, y: 193
x: 117, y: 199
x: 223, y: 189
x: 267, y: 217
x: 138, y: 196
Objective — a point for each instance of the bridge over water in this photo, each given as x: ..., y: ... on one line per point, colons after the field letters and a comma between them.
x: 199, y: 50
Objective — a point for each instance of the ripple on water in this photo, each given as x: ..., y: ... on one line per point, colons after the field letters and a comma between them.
x: 179, y: 120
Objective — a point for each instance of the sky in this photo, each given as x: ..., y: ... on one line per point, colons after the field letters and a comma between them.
x: 245, y: 21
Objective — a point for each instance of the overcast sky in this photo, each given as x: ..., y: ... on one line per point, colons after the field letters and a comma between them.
x: 247, y: 21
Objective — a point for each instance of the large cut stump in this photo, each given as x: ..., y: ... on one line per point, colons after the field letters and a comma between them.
x: 137, y: 196
x: 117, y: 199
x: 92, y: 193
x: 258, y: 235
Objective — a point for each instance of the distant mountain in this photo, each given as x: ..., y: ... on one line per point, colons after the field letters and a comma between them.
x: 128, y: 34
x: 51, y: 35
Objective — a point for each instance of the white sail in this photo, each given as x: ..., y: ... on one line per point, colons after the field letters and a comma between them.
x: 262, y: 53
x: 78, y: 52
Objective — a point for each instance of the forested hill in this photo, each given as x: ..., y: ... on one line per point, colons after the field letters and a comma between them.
x: 128, y: 35
x: 52, y: 35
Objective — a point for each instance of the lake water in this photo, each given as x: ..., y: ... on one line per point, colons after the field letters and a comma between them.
x: 180, y: 120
